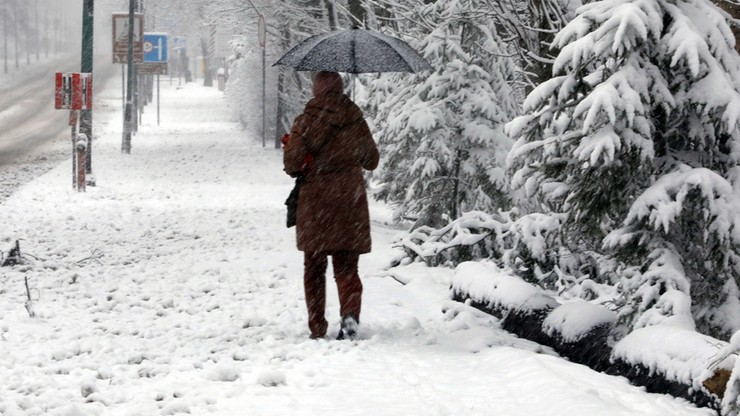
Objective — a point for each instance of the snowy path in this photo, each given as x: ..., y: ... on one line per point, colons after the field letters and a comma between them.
x: 174, y: 287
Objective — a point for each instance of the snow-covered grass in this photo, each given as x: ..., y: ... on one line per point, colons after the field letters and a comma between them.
x: 173, y: 287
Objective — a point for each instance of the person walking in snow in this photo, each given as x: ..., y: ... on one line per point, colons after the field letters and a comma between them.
x: 330, y: 144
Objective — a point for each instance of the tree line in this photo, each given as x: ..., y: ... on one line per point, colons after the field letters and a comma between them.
x: 35, y: 28
x: 593, y: 145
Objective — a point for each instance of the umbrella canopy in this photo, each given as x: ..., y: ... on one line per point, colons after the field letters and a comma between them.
x: 354, y: 51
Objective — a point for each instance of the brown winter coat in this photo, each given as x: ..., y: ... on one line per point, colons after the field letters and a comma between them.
x: 332, y: 205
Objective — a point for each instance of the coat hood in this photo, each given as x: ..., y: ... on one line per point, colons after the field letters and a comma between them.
x: 327, y: 83
x: 335, y: 110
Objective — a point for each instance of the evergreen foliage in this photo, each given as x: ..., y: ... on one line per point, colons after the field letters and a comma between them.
x: 441, y: 134
x: 634, y: 140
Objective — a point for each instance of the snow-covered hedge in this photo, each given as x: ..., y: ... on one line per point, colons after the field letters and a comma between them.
x: 243, y: 88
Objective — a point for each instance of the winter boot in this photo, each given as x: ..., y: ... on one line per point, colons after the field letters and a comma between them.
x: 348, y: 329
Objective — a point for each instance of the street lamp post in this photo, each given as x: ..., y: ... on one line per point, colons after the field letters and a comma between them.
x: 128, y: 113
x: 86, y: 66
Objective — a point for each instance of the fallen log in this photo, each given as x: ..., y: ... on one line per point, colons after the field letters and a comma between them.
x: 668, y: 360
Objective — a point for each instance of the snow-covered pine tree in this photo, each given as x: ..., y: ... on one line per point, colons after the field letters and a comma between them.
x: 441, y: 134
x: 635, y: 140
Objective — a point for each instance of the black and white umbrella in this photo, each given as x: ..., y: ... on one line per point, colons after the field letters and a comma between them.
x: 354, y: 51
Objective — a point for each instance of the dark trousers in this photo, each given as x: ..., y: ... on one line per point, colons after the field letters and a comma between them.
x: 348, y: 282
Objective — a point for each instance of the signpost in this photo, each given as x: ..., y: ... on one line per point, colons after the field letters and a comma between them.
x: 155, y: 58
x: 74, y: 91
x: 155, y: 54
x: 120, y: 38
x: 179, y: 42
x: 135, y: 34
x: 125, y: 25
x: 86, y: 66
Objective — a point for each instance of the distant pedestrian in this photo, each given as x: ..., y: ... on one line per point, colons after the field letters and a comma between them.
x: 330, y: 144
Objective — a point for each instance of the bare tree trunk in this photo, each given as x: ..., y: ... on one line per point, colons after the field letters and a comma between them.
x: 542, y: 71
x: 331, y: 13
x: 38, y: 30
x: 733, y: 9
x: 15, y: 34
x: 280, y: 116
x: 28, y: 34
x: 280, y: 127
x: 46, y: 30
x: 385, y: 16
x: 358, y: 13
x: 208, y: 73
x: 454, y: 203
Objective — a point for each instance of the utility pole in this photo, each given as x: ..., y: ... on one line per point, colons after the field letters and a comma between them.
x: 86, y: 116
x: 357, y: 11
x: 129, y: 113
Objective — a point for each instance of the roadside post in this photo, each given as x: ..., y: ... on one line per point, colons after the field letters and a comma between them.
x: 221, y: 73
x: 128, y: 35
x: 86, y: 67
x: 73, y: 91
x: 81, y: 146
x: 155, y: 58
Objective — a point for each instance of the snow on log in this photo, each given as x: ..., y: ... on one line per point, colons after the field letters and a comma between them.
x: 521, y: 306
x: 674, y: 360
x: 663, y: 359
x: 580, y: 331
x: 485, y: 283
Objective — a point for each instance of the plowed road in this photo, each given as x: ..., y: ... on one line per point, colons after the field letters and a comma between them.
x: 29, y: 124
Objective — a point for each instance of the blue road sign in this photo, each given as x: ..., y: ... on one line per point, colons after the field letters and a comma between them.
x: 178, y: 42
x: 155, y: 47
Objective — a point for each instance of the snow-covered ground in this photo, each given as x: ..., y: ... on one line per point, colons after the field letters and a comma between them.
x: 174, y: 287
